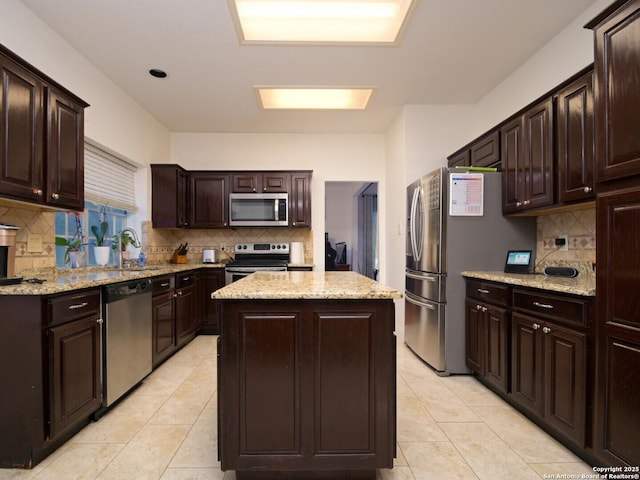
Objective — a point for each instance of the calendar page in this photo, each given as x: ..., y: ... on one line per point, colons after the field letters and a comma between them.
x: 466, y: 194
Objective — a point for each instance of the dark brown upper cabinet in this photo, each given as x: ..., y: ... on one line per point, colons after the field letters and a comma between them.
x: 485, y: 152
x: 482, y: 152
x: 617, y: 90
x: 527, y: 159
x: 169, y: 203
x: 42, y: 144
x: 461, y: 158
x: 260, y: 182
x: 300, y: 200
x: 209, y: 199
x: 574, y: 138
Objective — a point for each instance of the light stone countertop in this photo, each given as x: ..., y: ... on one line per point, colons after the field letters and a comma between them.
x: 306, y: 285
x: 583, y: 284
x: 66, y: 280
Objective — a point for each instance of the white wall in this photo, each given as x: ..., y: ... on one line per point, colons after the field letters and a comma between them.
x: 331, y: 157
x: 113, y: 119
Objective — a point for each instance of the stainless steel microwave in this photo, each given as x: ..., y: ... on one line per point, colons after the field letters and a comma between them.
x: 258, y: 209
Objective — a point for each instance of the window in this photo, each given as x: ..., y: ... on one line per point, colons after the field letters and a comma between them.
x: 110, y: 196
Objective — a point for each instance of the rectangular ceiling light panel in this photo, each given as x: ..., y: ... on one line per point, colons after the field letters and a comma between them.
x: 320, y: 21
x: 314, y: 98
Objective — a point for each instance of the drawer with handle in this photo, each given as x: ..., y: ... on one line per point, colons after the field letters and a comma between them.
x: 560, y: 308
x: 184, y: 279
x: 494, y: 293
x: 162, y: 284
x: 69, y: 307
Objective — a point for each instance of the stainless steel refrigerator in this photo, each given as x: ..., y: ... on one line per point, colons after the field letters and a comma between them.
x: 445, y: 236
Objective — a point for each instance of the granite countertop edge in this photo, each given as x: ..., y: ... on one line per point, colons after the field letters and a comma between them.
x: 583, y: 285
x: 68, y: 280
x: 306, y: 286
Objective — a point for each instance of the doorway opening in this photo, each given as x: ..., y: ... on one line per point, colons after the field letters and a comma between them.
x: 351, y: 227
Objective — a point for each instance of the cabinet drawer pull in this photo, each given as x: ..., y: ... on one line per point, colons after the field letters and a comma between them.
x: 542, y: 305
x: 78, y: 305
x: 166, y: 284
x: 186, y: 279
x: 482, y: 290
x: 546, y: 329
x: 535, y: 326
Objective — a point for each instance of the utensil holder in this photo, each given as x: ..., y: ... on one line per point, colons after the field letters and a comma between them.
x: 175, y: 258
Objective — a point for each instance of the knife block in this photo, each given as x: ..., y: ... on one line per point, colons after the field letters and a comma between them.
x: 175, y: 258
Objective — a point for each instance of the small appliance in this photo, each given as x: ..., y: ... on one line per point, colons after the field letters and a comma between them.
x: 258, y: 209
x: 208, y: 255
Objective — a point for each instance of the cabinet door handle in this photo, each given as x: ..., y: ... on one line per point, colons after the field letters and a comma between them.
x: 55, y: 196
x: 99, y: 321
x: 175, y: 295
x: 179, y: 293
x: 518, y: 204
x: 484, y: 309
x: 543, y: 305
x: 526, y: 202
x: 78, y: 305
x: 38, y: 191
x: 482, y: 290
x: 546, y: 329
x: 535, y: 326
x: 588, y: 189
x: 478, y: 307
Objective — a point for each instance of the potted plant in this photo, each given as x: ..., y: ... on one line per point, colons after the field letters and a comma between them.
x: 101, y: 251
x: 123, y: 242
x: 75, y: 255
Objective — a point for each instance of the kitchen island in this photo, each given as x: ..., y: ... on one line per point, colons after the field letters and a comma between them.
x: 306, y: 376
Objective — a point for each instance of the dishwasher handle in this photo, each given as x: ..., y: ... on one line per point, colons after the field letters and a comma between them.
x: 120, y: 291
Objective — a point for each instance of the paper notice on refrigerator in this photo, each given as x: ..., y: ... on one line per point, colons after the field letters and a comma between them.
x: 466, y: 194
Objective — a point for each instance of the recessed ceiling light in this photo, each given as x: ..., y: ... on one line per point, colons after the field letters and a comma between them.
x: 156, y: 72
x: 299, y: 98
x: 319, y: 21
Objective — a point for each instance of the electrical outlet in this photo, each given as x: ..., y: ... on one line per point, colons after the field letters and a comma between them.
x: 562, y: 241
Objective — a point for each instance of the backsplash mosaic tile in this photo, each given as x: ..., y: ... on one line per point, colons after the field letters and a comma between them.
x: 31, y: 221
x: 580, y: 228
x: 159, y: 243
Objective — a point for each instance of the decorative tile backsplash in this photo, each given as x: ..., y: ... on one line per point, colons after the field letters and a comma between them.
x: 578, y: 225
x: 31, y: 220
x: 159, y: 244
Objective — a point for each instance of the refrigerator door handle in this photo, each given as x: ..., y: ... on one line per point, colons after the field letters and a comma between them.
x: 414, y: 243
x: 428, y: 278
x: 412, y: 299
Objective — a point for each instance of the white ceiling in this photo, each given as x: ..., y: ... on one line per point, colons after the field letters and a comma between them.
x: 452, y: 52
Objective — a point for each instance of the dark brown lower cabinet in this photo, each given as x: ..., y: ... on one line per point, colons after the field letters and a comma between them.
x: 549, y: 374
x: 74, y: 373
x: 50, y: 364
x: 164, y: 320
x: 212, y: 280
x: 617, y: 416
x: 487, y: 332
x: 306, y: 388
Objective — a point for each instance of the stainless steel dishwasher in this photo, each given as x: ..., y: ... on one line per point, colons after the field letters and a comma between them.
x: 127, y: 337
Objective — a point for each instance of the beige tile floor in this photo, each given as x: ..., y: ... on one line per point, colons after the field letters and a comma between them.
x: 448, y: 428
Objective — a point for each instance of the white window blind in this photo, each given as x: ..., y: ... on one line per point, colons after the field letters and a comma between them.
x: 108, y: 178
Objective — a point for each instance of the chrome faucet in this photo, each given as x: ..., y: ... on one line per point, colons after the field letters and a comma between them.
x: 136, y: 243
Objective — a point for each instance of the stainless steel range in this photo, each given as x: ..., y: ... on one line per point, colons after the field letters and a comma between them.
x: 257, y: 257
